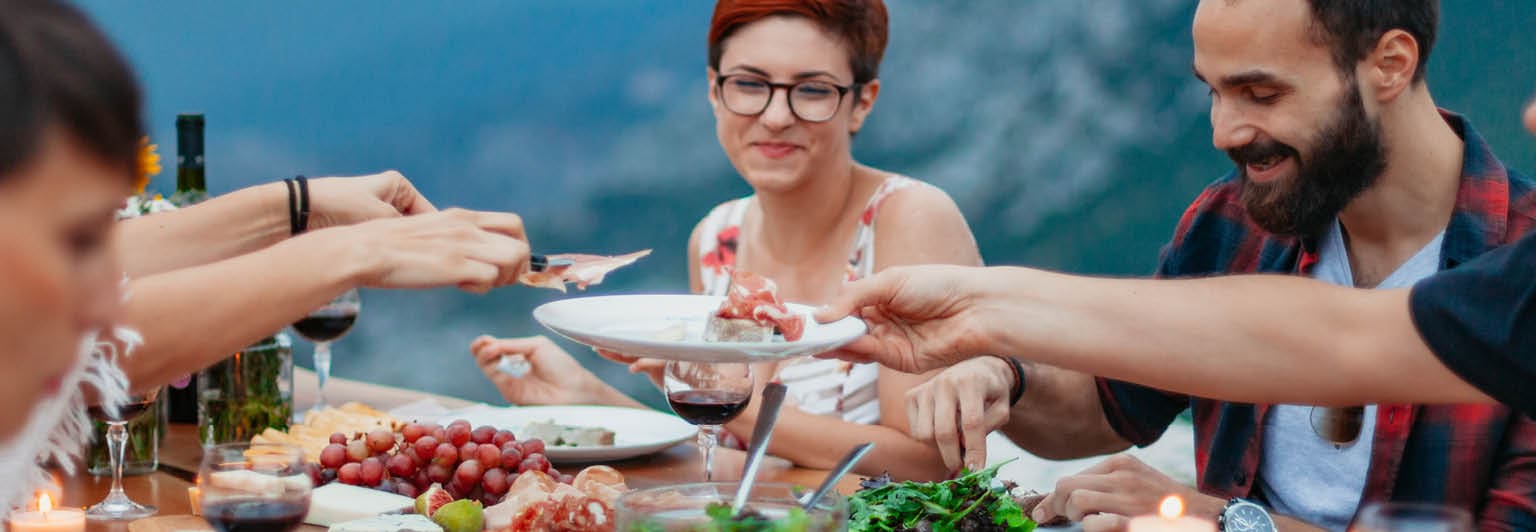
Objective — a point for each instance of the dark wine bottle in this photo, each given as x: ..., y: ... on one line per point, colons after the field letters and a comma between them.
x: 190, y: 185
x: 181, y: 396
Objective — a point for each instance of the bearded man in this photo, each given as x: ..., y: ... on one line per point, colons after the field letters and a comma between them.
x: 1346, y: 172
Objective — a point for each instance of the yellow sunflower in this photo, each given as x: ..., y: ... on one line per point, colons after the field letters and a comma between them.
x: 149, y: 165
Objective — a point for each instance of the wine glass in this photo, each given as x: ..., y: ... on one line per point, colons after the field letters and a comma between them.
x: 708, y: 395
x: 117, y: 505
x: 254, y: 487
x: 323, y: 326
x: 1426, y: 517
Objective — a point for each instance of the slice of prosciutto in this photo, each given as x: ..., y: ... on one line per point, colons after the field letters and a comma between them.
x: 754, y: 298
x: 585, y: 270
x: 535, y: 502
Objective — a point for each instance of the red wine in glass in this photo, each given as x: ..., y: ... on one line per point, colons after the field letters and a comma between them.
x: 323, y: 326
x: 707, y: 395
x: 117, y: 506
x: 255, y: 515
x: 125, y: 412
x: 277, y: 504
x: 326, y: 324
x: 708, y: 407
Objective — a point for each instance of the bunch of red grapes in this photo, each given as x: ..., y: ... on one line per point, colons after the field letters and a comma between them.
x: 477, y: 464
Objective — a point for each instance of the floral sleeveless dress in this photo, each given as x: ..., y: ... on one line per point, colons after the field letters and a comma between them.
x: 824, y: 387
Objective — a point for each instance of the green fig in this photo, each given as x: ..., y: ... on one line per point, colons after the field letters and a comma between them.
x: 460, y: 516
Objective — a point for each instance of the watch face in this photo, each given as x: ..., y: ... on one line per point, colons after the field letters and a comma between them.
x: 1248, y: 517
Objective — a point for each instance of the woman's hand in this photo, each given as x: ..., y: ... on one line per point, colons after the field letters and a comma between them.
x: 337, y: 201
x: 652, y: 368
x: 554, y: 376
x: 474, y: 250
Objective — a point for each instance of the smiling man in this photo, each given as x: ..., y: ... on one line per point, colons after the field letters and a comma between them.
x: 1346, y: 172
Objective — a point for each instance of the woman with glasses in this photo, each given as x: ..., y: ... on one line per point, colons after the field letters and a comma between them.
x: 791, y: 82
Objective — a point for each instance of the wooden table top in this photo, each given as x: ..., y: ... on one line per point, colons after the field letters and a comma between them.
x: 181, y: 454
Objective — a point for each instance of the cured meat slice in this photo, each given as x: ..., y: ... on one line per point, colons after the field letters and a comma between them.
x: 536, y: 502
x: 753, y: 300
x: 602, y: 483
x: 584, y: 270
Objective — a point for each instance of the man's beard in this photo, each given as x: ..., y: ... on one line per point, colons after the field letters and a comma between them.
x: 1347, y: 157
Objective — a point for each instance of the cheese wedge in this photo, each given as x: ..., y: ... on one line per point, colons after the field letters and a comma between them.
x: 338, y: 503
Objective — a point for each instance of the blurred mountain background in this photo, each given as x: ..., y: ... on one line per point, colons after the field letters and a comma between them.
x: 1071, y: 133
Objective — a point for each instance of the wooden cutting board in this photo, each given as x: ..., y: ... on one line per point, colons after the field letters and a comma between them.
x: 189, y: 523
x: 169, y: 523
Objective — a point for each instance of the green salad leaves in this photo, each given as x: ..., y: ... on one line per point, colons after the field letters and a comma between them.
x: 968, y: 503
x: 723, y: 520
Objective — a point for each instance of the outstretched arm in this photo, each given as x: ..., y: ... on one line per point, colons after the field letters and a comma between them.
x: 192, y: 317
x: 256, y: 217
x: 1272, y: 339
x: 1269, y: 339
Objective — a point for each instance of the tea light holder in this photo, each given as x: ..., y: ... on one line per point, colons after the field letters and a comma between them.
x: 48, y: 519
x: 196, y: 496
x: 1170, y: 518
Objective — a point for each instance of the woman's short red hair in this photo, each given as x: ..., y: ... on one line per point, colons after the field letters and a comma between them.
x: 861, y: 24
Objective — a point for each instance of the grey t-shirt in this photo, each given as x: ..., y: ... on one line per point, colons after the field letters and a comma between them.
x: 1301, y: 474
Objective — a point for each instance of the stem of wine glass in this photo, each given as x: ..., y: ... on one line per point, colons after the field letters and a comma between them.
x: 709, y: 438
x: 117, y: 439
x: 322, y: 370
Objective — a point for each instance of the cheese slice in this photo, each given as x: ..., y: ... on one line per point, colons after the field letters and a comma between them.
x: 389, y: 523
x: 337, y: 503
x: 255, y: 482
x: 556, y: 435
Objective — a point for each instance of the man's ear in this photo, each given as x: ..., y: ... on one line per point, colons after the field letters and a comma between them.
x: 1390, y: 68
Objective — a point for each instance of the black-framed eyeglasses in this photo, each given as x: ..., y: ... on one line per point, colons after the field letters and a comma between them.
x: 811, y: 101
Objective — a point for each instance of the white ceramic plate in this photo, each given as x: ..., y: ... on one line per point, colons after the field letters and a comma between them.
x: 640, y: 325
x: 636, y: 432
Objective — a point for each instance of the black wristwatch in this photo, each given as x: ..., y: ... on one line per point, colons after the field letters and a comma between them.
x: 1244, y: 516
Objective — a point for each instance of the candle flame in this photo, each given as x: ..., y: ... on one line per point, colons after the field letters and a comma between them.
x: 1171, y: 508
x: 44, y: 503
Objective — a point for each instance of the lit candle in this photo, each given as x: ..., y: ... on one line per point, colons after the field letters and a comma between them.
x: 196, y: 496
x: 1170, y: 518
x: 48, y: 519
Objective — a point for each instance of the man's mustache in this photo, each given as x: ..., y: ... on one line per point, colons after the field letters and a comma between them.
x: 1261, y: 150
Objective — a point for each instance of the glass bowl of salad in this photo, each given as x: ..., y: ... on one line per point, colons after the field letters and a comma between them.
x: 706, y: 507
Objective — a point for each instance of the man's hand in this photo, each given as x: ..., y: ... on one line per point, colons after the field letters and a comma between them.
x: 1121, y: 485
x: 336, y: 201
x: 957, y: 408
x: 920, y: 317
